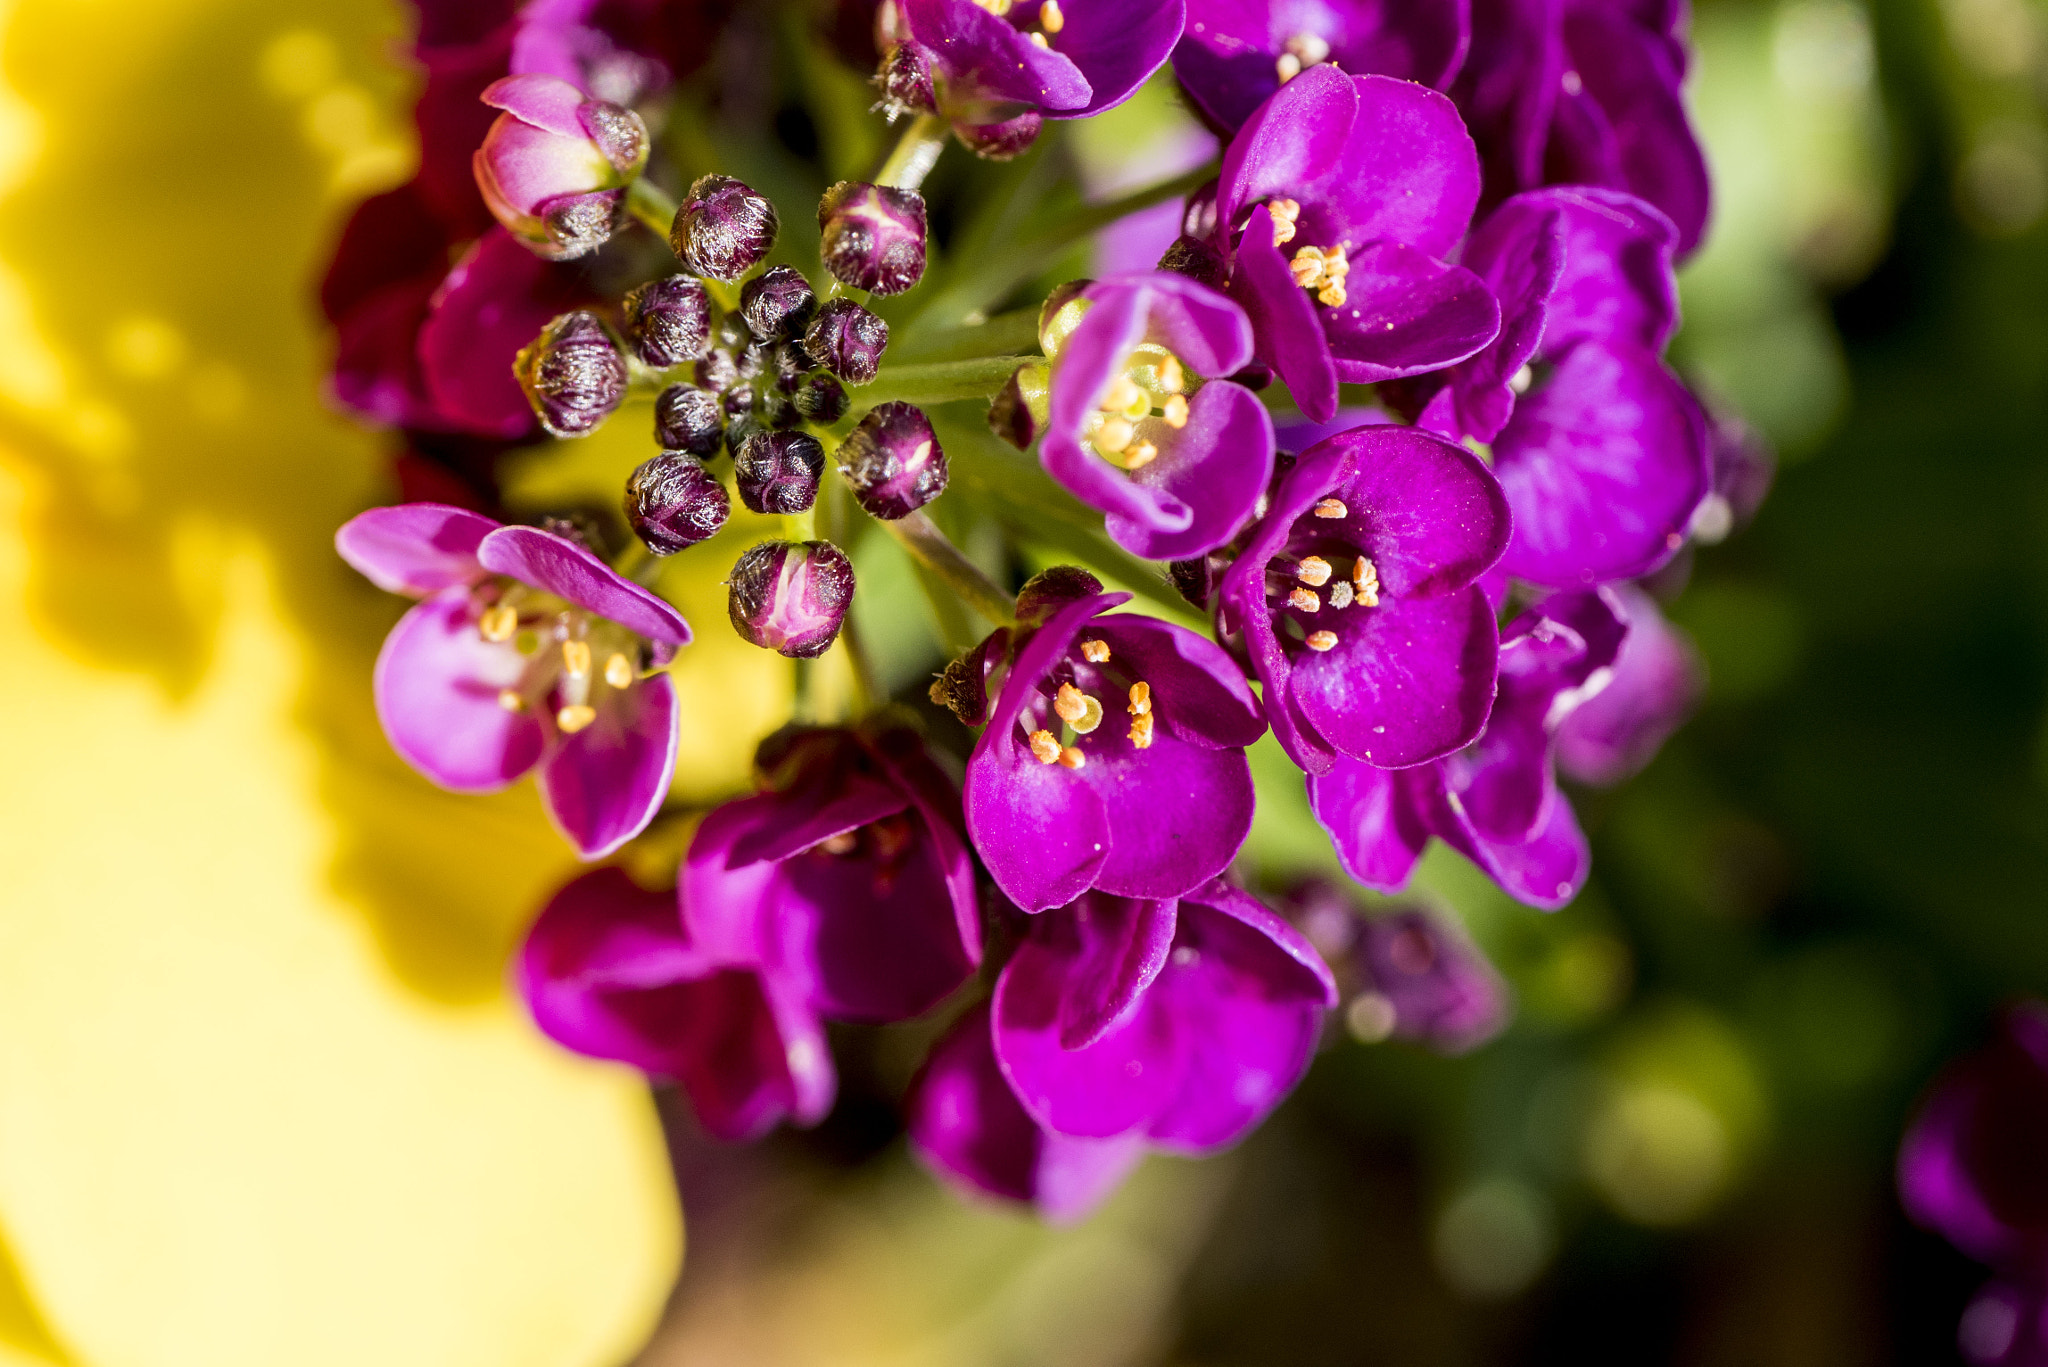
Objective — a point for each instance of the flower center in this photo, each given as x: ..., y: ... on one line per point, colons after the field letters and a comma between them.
x: 1049, y: 21
x: 569, y: 652
x: 1299, y: 53
x: 1080, y: 713
x: 1310, y: 589
x: 1321, y: 271
x: 1126, y: 427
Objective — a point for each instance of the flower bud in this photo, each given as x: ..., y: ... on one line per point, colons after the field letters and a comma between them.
x: 1022, y: 405
x: 716, y: 372
x: 777, y: 304
x: 668, y: 321
x: 905, y: 80
x: 790, y: 597
x: 724, y: 228
x: 1197, y: 260
x: 777, y: 472
x: 551, y: 168
x: 872, y: 236
x: 820, y: 400
x: 673, y: 502
x: 737, y: 401
x: 687, y: 418
x: 573, y: 374
x: 778, y: 409
x: 847, y: 340
x: 1052, y: 589
x: 741, y: 429
x: 1004, y: 140
x: 893, y: 461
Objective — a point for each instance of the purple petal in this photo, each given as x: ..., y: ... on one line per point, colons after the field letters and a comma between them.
x: 1521, y: 262
x: 793, y: 822
x: 1214, y: 470
x: 1442, y: 988
x: 1604, y: 467
x: 1198, y: 692
x: 561, y: 567
x: 520, y: 168
x: 989, y: 60
x: 603, y: 784
x: 495, y: 301
x: 1288, y: 333
x: 1376, y: 827
x: 1407, y: 682
x: 1178, y: 812
x: 417, y: 548
x: 1117, y: 47
x: 1091, y: 358
x: 1632, y: 78
x: 1409, y: 172
x: 745, y: 1059
x: 1657, y: 682
x: 1546, y: 871
x: 390, y: 239
x: 1617, y: 284
x: 376, y: 371
x: 1290, y: 143
x: 1198, y: 324
x: 437, y: 683
x: 1430, y: 514
x: 904, y: 758
x: 1123, y: 945
x: 1510, y: 84
x: 721, y: 895
x: 1408, y: 313
x: 546, y: 102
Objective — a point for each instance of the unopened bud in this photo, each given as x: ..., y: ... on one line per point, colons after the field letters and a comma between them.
x: 1197, y: 260
x: 777, y: 472
x: 893, y: 461
x: 1004, y: 140
x: 777, y: 408
x: 1195, y: 579
x: 821, y: 400
x: 1021, y: 406
x: 724, y: 228
x: 573, y: 374
x: 1052, y: 589
x: 790, y: 597
x: 778, y: 304
x: 673, y: 502
x: 791, y: 362
x: 741, y: 429
x: 872, y: 236
x: 577, y: 225
x: 553, y: 166
x: 847, y: 340
x: 716, y: 372
x: 687, y: 418
x: 905, y: 80
x: 668, y: 321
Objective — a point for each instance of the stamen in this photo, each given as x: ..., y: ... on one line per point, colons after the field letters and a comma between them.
x: 1309, y: 48
x: 998, y: 8
x: 576, y: 658
x: 1340, y: 594
x: 1072, y: 759
x: 1141, y: 731
x: 1050, y: 18
x: 498, y: 623
x: 1122, y: 394
x: 842, y: 843
x: 1284, y: 212
x: 1320, y: 641
x: 1322, y: 270
x: 1313, y: 571
x: 1095, y: 652
x: 575, y: 717
x: 1522, y: 379
x: 1070, y: 703
x: 1365, y: 578
x: 1177, y: 412
x: 1171, y: 376
x: 1091, y: 717
x: 1304, y: 600
x: 1141, y: 699
x: 1288, y: 65
x: 1045, y: 747
x: 1332, y: 508
x: 1140, y: 456
x: 618, y: 671
x: 510, y: 700
x: 1039, y: 39
x: 1113, y: 436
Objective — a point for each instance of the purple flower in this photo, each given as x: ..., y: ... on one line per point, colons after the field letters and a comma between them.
x: 1585, y: 92
x: 1235, y: 53
x: 1184, y: 1023
x: 1150, y: 793
x: 1338, y: 201
x: 969, y: 1128
x: 525, y: 652
x: 790, y: 596
x: 1497, y: 801
x: 1656, y: 683
x: 1604, y: 455
x: 996, y: 71
x: 553, y: 167
x: 872, y: 237
x: 611, y: 971
x: 1357, y: 600
x: 1141, y: 427
x: 846, y: 881
x: 893, y: 461
x: 1427, y: 982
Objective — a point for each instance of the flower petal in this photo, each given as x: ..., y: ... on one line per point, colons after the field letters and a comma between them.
x: 546, y: 102
x: 417, y: 548
x: 1178, y: 812
x: 1124, y: 944
x: 1429, y: 513
x: 1212, y: 470
x: 1198, y: 692
x: 1376, y: 827
x: 1289, y: 335
x: 903, y: 756
x: 1409, y: 172
x: 1407, y: 313
x: 1657, y: 682
x: 1546, y: 871
x: 560, y: 566
x: 603, y: 784
x: 437, y: 683
x: 1091, y: 358
x: 495, y: 301
x: 1117, y: 47
x: 984, y: 58
x: 1288, y: 144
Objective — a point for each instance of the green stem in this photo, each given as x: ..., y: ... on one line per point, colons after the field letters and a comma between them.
x: 915, y: 153
x: 1015, y: 331
x: 650, y: 204
x: 866, y: 693
x: 940, y: 382
x: 930, y: 547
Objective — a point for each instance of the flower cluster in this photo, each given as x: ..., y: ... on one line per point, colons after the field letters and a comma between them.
x: 1392, y: 414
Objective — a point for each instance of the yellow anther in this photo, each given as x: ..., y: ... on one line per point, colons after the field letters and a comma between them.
x: 1307, y: 267
x: 1323, y: 271
x: 1313, y: 571
x: 1113, y: 436
x: 1095, y: 652
x: 510, y: 700
x: 999, y: 8
x: 1333, y: 294
x: 498, y: 623
x: 1303, y: 599
x: 575, y: 717
x: 1522, y: 379
x: 1308, y: 48
x: 576, y: 658
x: 1045, y: 747
x: 1049, y: 17
x: 1284, y: 212
x: 1365, y: 581
x: 1039, y: 39
x: 1141, y: 731
x: 1288, y: 66
x: 843, y: 843
x: 1331, y: 508
x: 1141, y: 699
x: 1072, y: 758
x: 1171, y: 377
x: 1091, y: 716
x: 1176, y: 412
x: 1121, y: 394
x: 1320, y: 641
x: 1140, y: 456
x: 618, y: 671
x: 1340, y: 594
x: 1071, y: 704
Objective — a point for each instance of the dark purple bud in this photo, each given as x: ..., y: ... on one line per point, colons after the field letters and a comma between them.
x: 777, y: 472
x: 1020, y: 406
x: 741, y: 430
x: 905, y: 80
x: 577, y: 225
x: 687, y: 418
x: 573, y: 374
x: 737, y: 401
x: 668, y: 321
x: 723, y: 229
x: 847, y: 340
x: 872, y: 236
x: 716, y: 372
x: 751, y: 362
x: 1052, y: 589
x: 893, y: 461
x: 1001, y: 141
x: 821, y: 400
x: 1197, y: 260
x: 1195, y: 579
x: 673, y: 502
x: 618, y: 133
x: 791, y: 362
x: 777, y: 303
x: 778, y: 409
x: 790, y: 597
x: 963, y: 687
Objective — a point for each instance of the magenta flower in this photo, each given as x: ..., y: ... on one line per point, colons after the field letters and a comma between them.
x: 968, y: 1127
x: 846, y: 881
x: 1184, y: 1023
x: 1113, y: 759
x: 1339, y: 200
x: 554, y: 166
x: 1357, y: 599
x: 526, y: 652
x: 1434, y: 985
x: 1585, y: 92
x: 610, y: 971
x: 1497, y: 801
x: 1139, y: 424
x: 1657, y: 681
x: 1235, y: 53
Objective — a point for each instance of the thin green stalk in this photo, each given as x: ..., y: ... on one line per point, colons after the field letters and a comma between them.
x: 939, y: 382
x: 915, y: 153
x: 650, y: 204
x: 1015, y: 331
x: 931, y: 548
